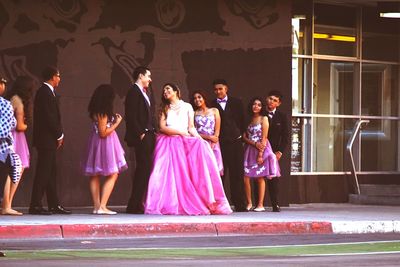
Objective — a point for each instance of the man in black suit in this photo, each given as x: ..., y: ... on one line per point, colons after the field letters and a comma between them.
x: 232, y: 128
x: 140, y: 134
x: 48, y: 136
x: 278, y: 136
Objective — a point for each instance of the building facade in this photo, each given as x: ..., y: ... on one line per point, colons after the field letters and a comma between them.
x: 332, y: 73
x: 345, y: 68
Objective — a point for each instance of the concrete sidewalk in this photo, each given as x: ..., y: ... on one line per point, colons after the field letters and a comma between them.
x: 296, y: 219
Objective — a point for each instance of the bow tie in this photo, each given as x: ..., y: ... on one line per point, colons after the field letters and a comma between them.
x: 221, y: 100
x: 270, y: 113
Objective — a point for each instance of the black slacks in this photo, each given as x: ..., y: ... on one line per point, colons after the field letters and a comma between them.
x: 273, y: 190
x: 232, y: 156
x: 140, y: 179
x: 45, y: 180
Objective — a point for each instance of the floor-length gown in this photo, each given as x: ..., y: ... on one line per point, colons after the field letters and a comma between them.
x: 205, y: 124
x: 185, y: 178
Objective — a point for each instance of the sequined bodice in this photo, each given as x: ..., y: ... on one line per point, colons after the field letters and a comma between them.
x: 254, y: 132
x: 96, y: 126
x: 205, y: 124
x: 178, y: 118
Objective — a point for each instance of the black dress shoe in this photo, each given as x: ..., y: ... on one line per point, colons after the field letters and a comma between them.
x: 38, y: 211
x: 132, y: 211
x: 276, y: 208
x: 241, y: 209
x: 59, y: 210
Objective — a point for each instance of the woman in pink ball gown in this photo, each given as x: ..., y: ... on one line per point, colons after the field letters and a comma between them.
x: 185, y: 178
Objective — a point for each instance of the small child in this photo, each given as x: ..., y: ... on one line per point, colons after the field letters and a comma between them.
x: 104, y: 155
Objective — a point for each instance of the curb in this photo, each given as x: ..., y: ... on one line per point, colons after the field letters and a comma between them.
x: 30, y: 231
x: 365, y: 227
x: 162, y: 229
x: 138, y: 230
x: 260, y: 228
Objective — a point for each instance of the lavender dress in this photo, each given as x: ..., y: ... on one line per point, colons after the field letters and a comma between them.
x: 21, y: 147
x: 206, y: 125
x: 270, y: 167
x: 104, y: 156
x: 20, y: 144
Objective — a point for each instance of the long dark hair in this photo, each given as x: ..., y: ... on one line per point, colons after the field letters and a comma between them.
x: 203, y: 95
x: 23, y: 87
x: 165, y: 102
x: 102, y: 102
x: 263, y: 111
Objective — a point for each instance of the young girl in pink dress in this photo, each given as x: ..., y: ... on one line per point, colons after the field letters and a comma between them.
x: 104, y: 154
x: 207, y: 122
x: 20, y: 97
x: 185, y: 179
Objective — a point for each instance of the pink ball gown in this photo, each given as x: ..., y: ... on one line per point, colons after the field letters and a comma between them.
x: 185, y: 178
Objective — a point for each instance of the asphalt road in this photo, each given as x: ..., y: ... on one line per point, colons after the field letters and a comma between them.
x: 194, y: 242
x: 236, y: 251
x: 331, y: 261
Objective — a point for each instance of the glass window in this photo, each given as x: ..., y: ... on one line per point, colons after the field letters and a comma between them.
x: 380, y: 86
x: 335, y: 30
x: 379, y: 145
x: 301, y: 145
x: 301, y: 84
x: 329, y: 145
x: 333, y: 75
x: 334, y: 87
x: 381, y: 37
x: 302, y: 27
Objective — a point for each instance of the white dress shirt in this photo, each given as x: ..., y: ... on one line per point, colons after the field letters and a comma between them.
x: 52, y: 90
x: 144, y: 93
x: 222, y: 102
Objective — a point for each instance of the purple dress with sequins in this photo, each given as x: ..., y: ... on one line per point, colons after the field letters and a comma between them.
x: 206, y: 125
x: 270, y: 167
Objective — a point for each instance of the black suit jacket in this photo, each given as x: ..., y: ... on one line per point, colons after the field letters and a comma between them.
x: 278, y: 133
x: 47, y: 126
x: 232, y: 119
x: 138, y: 115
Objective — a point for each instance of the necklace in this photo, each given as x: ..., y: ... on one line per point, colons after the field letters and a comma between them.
x: 176, y: 106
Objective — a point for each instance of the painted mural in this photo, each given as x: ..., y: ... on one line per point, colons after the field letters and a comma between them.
x: 101, y: 41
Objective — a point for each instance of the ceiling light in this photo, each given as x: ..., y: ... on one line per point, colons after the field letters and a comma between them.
x: 389, y: 9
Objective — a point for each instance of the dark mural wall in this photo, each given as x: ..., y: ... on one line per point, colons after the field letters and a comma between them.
x: 183, y: 41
